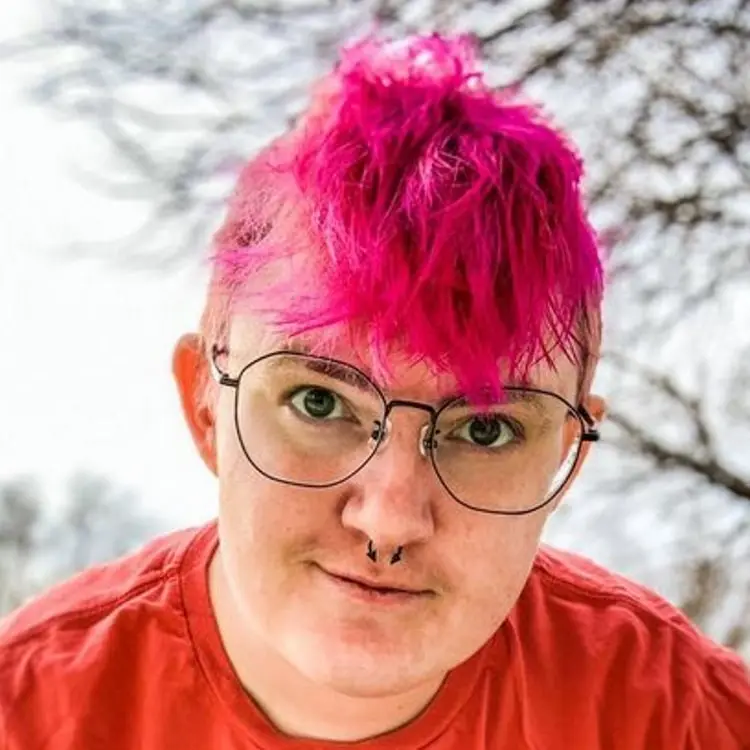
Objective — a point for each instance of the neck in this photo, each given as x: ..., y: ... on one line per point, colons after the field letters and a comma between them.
x: 295, y: 705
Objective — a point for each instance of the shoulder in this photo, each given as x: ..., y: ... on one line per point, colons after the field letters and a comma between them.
x: 620, y: 641
x: 577, y: 589
x: 97, y: 591
x: 87, y: 636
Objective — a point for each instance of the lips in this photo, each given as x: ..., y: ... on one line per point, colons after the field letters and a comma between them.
x: 380, y: 587
x: 374, y: 586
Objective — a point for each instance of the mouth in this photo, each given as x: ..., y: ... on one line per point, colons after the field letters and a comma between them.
x: 363, y: 590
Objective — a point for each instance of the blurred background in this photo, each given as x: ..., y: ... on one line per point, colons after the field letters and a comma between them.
x: 122, y: 126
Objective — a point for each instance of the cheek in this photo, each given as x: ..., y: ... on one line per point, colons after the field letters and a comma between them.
x: 267, y: 528
x: 259, y: 541
x: 247, y: 517
x: 495, y: 564
x: 259, y: 519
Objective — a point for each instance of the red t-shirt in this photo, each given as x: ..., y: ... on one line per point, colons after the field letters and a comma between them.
x: 128, y: 656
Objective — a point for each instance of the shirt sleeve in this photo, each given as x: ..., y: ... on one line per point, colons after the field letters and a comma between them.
x: 721, y: 716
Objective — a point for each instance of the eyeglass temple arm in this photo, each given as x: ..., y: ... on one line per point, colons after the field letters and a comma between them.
x: 220, y: 377
x: 592, y: 434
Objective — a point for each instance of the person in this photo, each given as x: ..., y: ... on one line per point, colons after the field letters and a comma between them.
x: 392, y: 383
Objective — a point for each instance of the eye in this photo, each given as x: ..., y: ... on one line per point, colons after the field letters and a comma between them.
x: 318, y: 403
x: 488, y: 431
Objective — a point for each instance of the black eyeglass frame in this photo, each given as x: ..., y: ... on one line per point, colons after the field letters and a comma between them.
x: 589, y: 430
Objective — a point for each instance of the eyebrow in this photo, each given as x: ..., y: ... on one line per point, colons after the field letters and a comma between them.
x: 340, y: 371
x: 535, y: 400
x: 343, y: 373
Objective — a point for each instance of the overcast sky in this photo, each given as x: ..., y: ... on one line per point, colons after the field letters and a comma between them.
x: 85, y: 379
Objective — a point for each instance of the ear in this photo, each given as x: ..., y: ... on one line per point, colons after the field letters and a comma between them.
x: 190, y: 368
x: 596, y: 406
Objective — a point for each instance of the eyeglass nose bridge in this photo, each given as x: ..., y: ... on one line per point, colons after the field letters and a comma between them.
x: 427, y: 435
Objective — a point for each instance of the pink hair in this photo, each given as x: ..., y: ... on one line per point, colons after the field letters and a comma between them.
x: 415, y: 205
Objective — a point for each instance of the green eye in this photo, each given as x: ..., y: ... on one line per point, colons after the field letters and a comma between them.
x: 487, y: 431
x: 317, y: 403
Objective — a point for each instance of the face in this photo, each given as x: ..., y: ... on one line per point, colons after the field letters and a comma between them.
x: 286, y: 550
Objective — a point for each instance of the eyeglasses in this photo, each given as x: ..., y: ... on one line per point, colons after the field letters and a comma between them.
x: 311, y: 421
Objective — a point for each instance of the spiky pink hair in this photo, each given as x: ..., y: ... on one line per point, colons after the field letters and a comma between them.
x: 417, y: 206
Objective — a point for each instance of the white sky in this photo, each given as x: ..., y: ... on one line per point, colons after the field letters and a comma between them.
x: 85, y: 379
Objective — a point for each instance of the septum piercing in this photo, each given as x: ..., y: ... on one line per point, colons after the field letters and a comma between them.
x: 372, y: 553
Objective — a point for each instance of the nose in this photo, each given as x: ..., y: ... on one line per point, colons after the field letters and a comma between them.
x: 393, y: 502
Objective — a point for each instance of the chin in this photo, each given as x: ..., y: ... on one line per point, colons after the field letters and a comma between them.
x: 362, y: 667
x: 362, y: 679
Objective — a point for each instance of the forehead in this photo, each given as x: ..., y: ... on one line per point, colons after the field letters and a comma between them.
x: 399, y: 376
